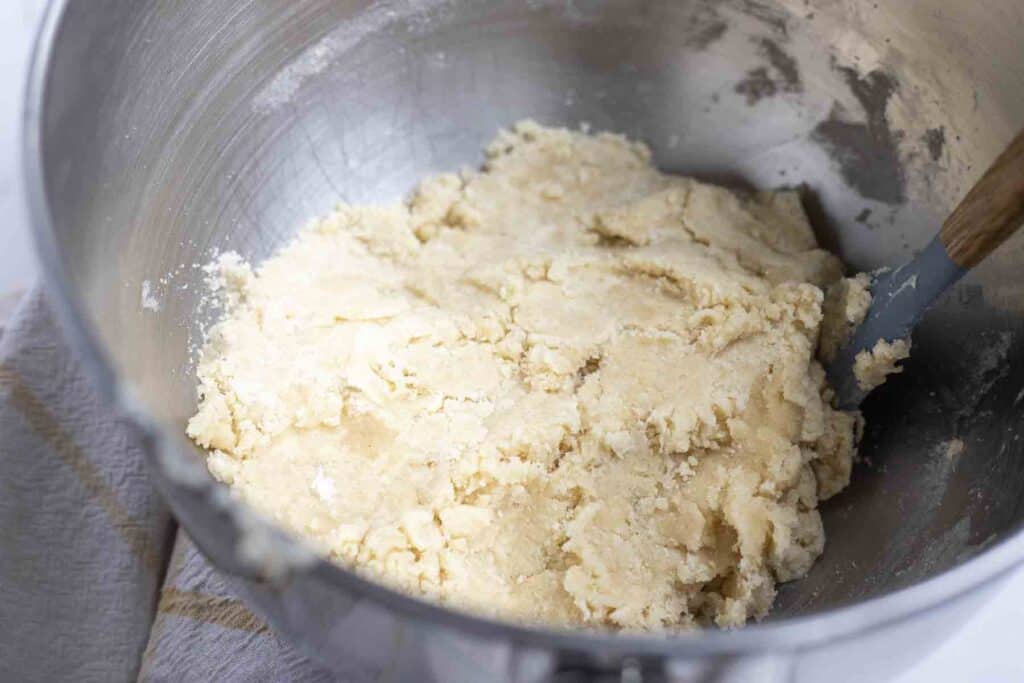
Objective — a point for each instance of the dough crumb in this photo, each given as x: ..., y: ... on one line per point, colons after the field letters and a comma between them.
x: 954, y: 448
x: 846, y: 305
x: 147, y: 300
x: 871, y: 368
x: 565, y: 389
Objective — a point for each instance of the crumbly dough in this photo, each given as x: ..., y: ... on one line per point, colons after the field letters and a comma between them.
x: 846, y: 305
x: 871, y: 368
x: 565, y: 389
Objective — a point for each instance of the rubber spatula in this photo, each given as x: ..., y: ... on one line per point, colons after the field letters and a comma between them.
x: 988, y: 215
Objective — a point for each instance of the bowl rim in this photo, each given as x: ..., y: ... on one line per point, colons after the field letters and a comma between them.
x: 785, y: 635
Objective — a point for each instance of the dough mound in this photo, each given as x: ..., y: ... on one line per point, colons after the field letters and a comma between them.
x: 565, y: 389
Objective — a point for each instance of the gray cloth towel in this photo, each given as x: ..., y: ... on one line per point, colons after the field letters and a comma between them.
x: 96, y: 581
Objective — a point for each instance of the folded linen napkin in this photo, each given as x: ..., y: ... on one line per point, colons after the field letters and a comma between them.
x: 97, y: 583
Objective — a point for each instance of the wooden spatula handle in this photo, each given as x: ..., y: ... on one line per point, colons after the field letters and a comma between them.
x: 991, y: 211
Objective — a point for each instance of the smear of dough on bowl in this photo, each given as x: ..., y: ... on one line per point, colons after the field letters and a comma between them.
x: 566, y: 388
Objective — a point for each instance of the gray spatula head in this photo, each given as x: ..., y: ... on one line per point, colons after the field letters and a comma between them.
x: 899, y: 298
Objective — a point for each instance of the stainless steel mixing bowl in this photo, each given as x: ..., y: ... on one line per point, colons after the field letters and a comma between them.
x: 157, y: 131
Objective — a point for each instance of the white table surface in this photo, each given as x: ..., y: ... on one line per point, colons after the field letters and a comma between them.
x: 988, y: 649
